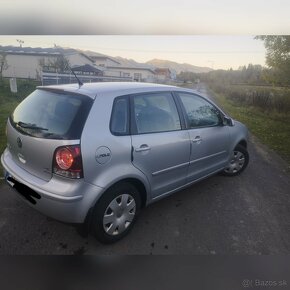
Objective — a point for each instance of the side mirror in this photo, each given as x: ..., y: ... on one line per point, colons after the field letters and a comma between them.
x: 227, y: 121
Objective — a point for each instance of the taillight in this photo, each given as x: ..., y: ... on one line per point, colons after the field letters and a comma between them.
x: 67, y: 161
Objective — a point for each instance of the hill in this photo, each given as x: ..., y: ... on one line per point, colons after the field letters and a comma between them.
x: 131, y: 62
x: 178, y: 67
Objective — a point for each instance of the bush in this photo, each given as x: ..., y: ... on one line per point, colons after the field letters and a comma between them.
x: 268, y: 99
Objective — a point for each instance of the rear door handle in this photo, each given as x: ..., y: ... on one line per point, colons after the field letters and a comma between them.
x: 142, y: 148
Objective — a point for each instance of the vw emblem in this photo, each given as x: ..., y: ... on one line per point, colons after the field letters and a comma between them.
x: 19, y: 142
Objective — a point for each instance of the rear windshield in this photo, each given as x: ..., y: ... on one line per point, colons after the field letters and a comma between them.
x: 52, y: 115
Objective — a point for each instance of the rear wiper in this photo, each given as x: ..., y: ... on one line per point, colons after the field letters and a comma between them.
x: 30, y: 126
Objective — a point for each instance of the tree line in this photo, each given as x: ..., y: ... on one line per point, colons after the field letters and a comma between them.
x: 277, y: 72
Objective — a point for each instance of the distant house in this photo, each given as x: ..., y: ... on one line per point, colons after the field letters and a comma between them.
x: 88, y: 70
x: 39, y: 63
x: 165, y: 74
x: 27, y: 62
x: 162, y: 73
x: 101, y: 59
x: 123, y: 68
x: 138, y: 74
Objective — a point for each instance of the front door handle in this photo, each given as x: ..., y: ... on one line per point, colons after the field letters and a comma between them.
x: 142, y: 148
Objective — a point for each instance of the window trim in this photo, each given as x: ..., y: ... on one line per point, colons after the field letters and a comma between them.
x: 187, y: 122
x: 128, y: 126
x: 133, y: 125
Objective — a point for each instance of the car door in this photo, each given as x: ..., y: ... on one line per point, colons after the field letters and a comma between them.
x: 160, y: 148
x: 209, y: 138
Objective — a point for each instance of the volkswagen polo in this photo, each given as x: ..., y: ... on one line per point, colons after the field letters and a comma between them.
x: 95, y: 154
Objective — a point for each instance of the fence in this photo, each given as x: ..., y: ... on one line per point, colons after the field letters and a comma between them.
x: 63, y: 78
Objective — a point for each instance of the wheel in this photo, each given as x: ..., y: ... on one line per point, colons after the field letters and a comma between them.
x: 115, y: 213
x: 238, y: 162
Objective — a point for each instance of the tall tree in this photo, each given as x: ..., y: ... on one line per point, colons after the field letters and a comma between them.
x: 278, y: 56
x: 3, y: 63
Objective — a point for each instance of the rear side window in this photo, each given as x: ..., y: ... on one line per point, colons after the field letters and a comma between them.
x: 52, y: 115
x: 155, y: 112
x: 120, y: 117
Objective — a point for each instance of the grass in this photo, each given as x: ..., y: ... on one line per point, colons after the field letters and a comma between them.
x: 8, y: 102
x: 272, y: 128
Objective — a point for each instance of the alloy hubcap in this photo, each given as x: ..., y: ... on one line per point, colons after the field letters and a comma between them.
x: 237, y: 162
x: 119, y: 214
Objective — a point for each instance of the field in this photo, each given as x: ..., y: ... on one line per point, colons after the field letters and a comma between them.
x: 8, y: 101
x: 266, y: 112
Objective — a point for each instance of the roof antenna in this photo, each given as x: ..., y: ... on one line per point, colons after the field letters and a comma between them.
x: 68, y: 65
x: 79, y: 81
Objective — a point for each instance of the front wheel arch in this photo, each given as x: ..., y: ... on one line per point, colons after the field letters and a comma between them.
x: 238, y: 161
x: 243, y: 143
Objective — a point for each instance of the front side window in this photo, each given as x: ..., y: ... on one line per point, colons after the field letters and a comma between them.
x: 155, y: 112
x: 200, y: 113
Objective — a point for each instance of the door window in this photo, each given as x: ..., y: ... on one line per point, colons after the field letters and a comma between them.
x: 200, y: 113
x: 155, y: 112
x: 119, y: 118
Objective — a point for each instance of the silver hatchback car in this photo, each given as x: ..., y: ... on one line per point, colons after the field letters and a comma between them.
x: 96, y: 154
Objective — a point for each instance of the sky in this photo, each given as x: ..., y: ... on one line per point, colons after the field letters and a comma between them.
x: 213, y: 33
x: 215, y: 51
x: 145, y: 17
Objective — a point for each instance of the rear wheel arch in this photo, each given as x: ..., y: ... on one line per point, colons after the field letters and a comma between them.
x: 108, y: 216
x: 139, y: 186
x: 84, y: 227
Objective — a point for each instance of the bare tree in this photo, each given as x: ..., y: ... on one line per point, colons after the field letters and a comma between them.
x: 60, y: 63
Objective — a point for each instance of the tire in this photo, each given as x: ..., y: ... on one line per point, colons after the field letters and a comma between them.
x: 115, y: 213
x: 238, y: 163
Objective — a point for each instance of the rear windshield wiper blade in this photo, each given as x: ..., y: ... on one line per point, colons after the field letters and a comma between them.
x: 30, y: 126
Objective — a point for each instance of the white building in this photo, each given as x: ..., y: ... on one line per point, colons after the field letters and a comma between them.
x: 30, y: 63
x: 101, y: 59
x: 138, y: 74
x: 26, y: 62
x: 123, y: 68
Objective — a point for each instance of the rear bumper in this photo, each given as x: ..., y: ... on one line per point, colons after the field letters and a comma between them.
x: 63, y: 199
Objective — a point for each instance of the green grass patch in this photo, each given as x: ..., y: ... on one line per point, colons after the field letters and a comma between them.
x: 8, y: 102
x: 272, y: 128
x: 266, y: 98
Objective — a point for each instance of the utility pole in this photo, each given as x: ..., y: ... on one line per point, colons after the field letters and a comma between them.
x: 20, y: 42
